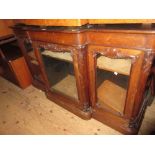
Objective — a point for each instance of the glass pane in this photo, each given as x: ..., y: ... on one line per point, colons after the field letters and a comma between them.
x: 60, y: 72
x: 112, y: 82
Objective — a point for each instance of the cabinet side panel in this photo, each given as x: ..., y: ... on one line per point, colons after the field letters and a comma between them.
x: 22, y: 72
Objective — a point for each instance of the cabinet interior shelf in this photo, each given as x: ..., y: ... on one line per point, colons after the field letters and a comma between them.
x: 112, y: 95
x: 67, y: 86
x: 121, y: 66
x: 58, y: 55
x: 60, y: 73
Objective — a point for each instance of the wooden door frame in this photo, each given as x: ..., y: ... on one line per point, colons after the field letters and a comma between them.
x: 78, y: 55
x: 137, y: 57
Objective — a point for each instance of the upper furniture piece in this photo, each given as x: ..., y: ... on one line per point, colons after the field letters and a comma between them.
x: 80, y: 22
x: 95, y: 70
x: 53, y: 22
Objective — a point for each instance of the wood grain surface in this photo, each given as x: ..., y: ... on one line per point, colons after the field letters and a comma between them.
x: 53, y: 22
x: 79, y: 22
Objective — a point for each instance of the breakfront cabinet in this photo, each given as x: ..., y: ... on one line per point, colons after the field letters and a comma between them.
x: 105, y: 72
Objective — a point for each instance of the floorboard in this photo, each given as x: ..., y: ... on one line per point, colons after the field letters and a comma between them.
x: 30, y: 112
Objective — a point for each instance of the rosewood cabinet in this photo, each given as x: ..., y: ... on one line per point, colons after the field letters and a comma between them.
x: 104, y: 72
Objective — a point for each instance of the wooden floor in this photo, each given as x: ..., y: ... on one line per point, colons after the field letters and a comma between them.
x: 30, y: 112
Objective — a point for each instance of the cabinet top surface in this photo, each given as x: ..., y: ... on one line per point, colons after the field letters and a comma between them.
x: 142, y: 38
x: 123, y: 28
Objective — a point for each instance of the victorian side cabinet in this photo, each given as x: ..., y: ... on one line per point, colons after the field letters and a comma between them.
x: 100, y: 71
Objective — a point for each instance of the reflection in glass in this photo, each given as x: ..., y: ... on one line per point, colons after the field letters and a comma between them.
x: 60, y: 72
x: 112, y: 82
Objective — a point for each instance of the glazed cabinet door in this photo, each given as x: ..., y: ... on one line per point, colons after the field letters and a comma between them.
x: 114, y: 75
x: 64, y: 72
x: 59, y: 68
